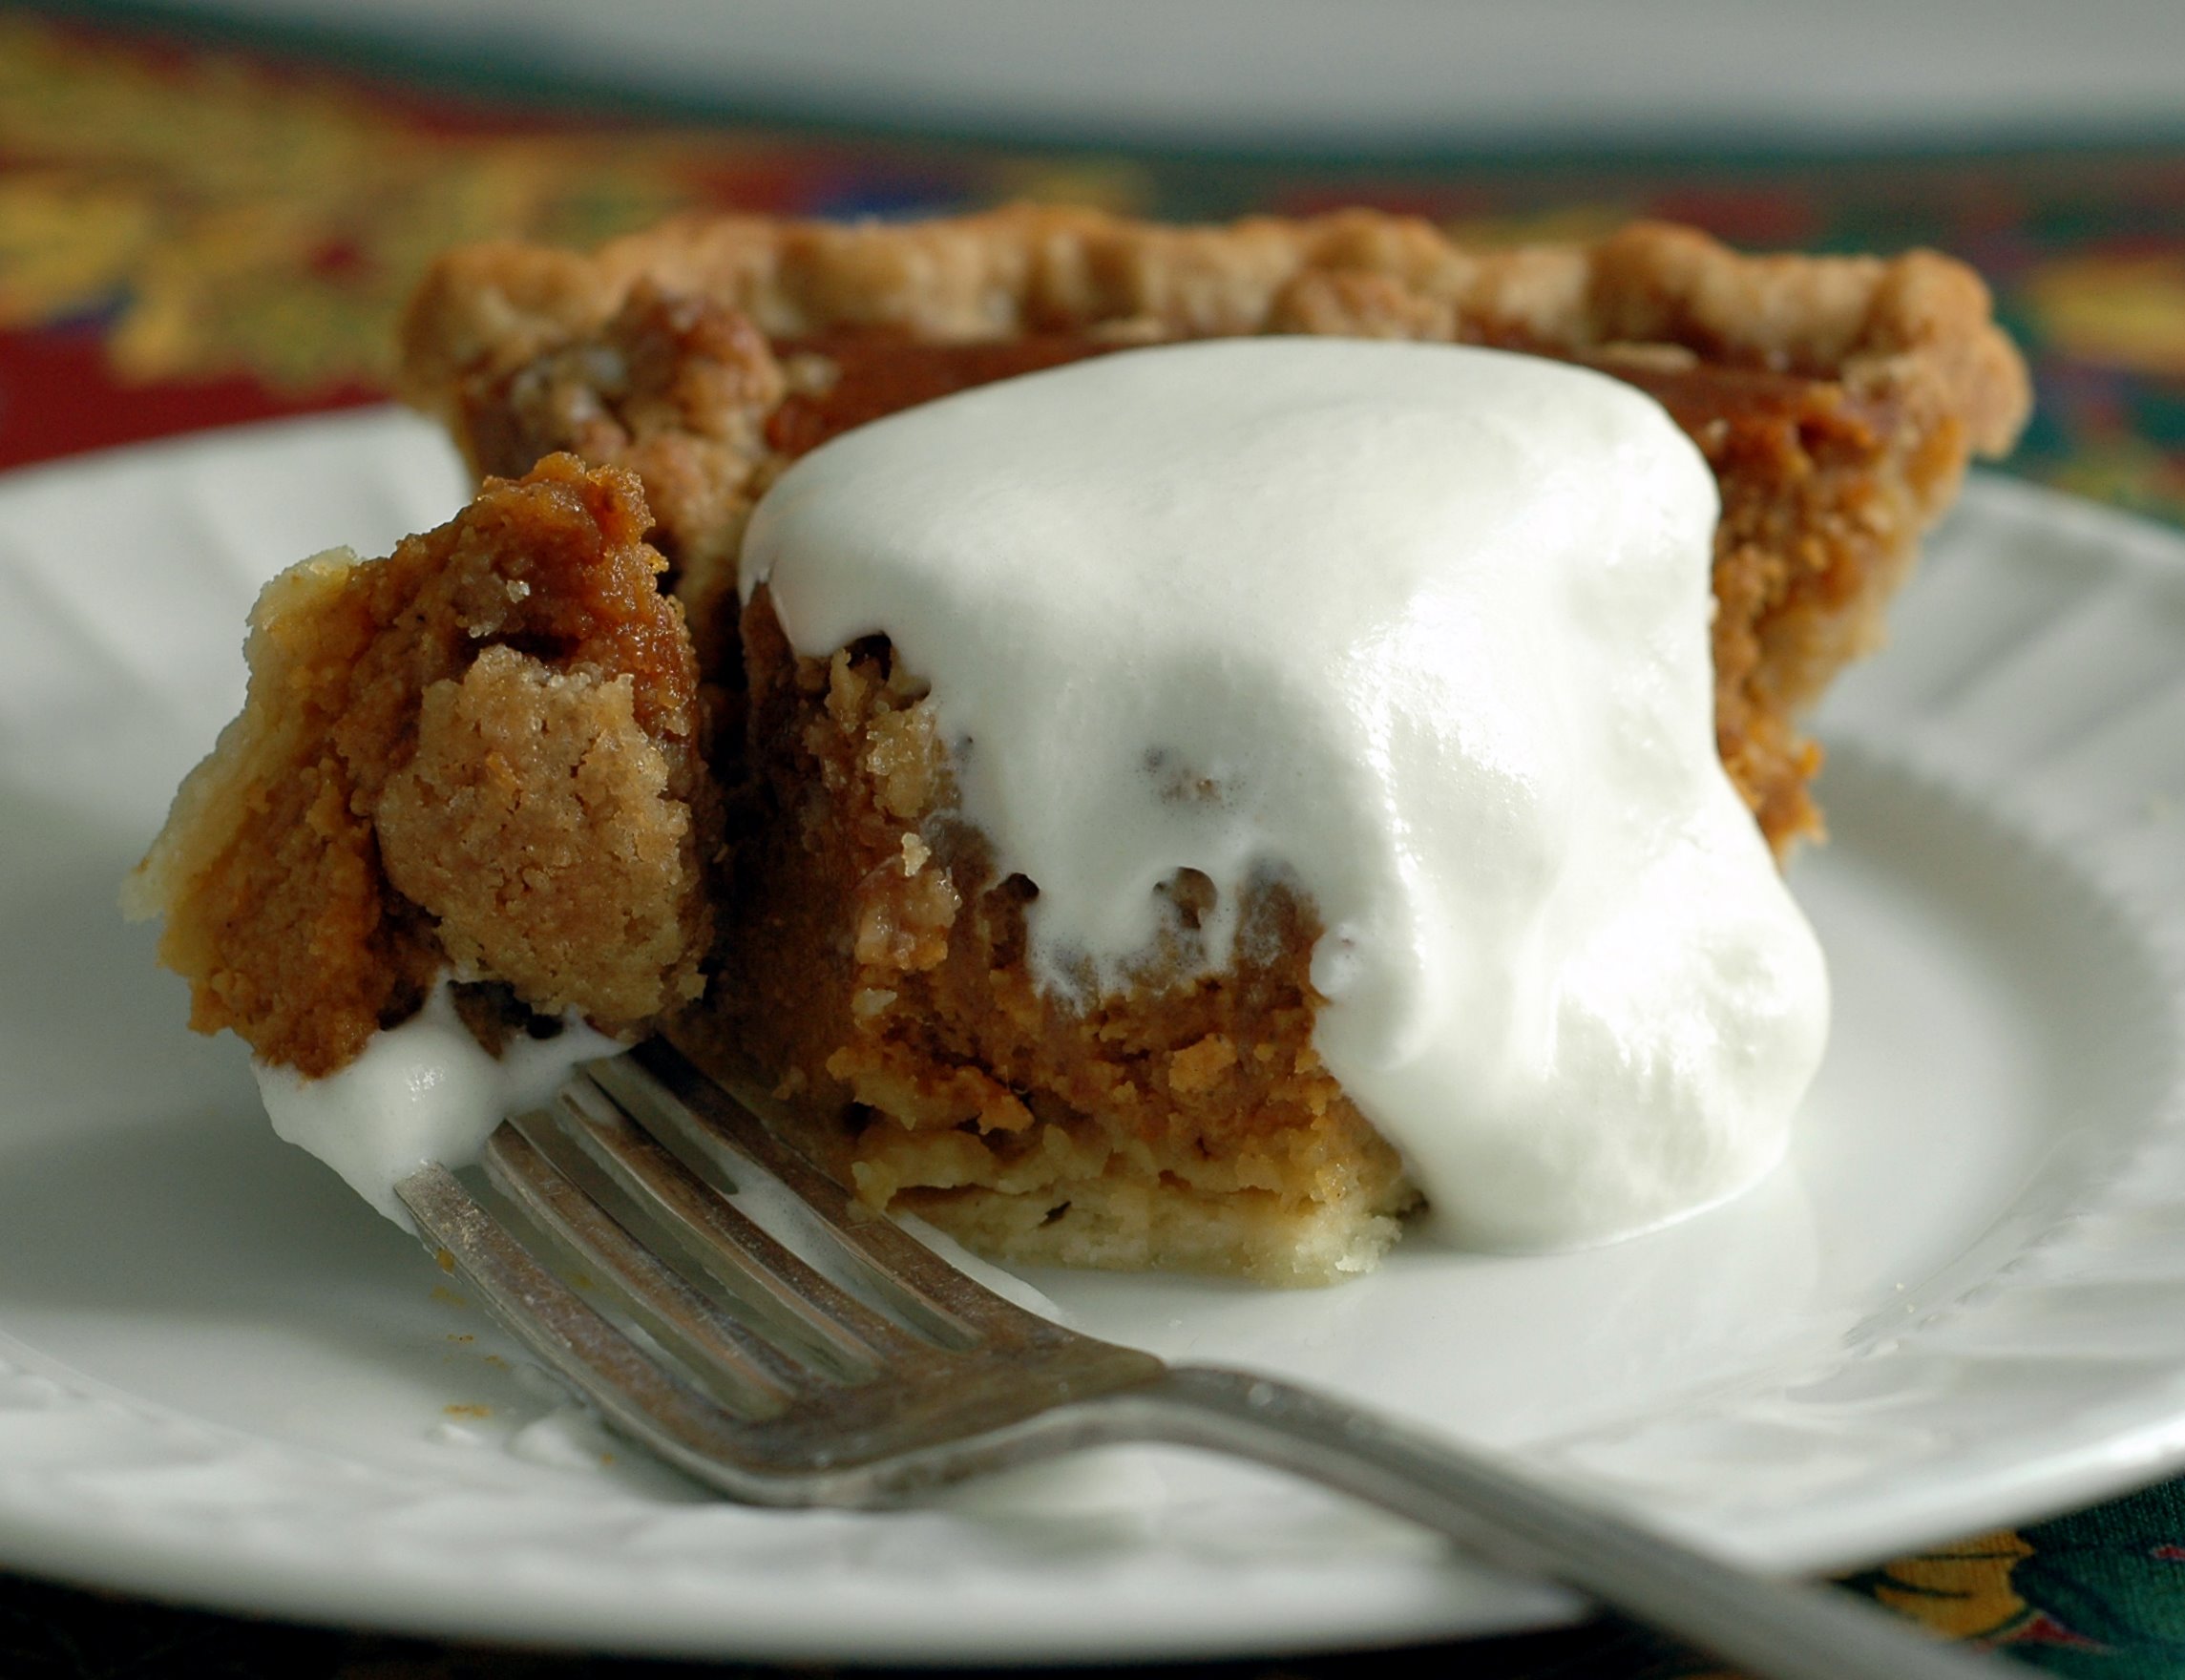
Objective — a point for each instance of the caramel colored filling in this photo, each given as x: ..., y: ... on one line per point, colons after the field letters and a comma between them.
x: 482, y: 751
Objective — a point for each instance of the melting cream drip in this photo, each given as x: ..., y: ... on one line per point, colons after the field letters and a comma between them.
x: 422, y: 1091
x: 1422, y: 629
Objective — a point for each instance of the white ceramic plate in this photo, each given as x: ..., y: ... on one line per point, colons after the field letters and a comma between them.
x: 1962, y: 1302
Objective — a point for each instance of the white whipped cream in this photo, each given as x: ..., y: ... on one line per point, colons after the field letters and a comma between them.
x: 1422, y: 629
x: 423, y: 1091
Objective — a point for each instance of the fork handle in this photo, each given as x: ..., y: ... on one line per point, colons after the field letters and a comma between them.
x: 1777, y: 1629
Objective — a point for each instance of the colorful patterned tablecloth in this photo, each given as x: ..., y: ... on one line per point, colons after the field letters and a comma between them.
x: 195, y: 233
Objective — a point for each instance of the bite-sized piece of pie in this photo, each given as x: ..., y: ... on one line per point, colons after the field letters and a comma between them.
x: 477, y: 759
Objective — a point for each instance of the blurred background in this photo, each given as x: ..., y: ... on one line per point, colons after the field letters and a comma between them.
x: 1329, y: 74
x: 212, y: 210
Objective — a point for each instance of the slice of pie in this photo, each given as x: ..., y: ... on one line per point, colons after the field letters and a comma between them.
x: 868, y: 967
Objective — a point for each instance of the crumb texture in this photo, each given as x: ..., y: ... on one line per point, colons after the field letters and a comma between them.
x: 482, y: 750
x: 535, y: 823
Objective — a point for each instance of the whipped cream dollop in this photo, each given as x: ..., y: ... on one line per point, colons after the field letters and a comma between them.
x: 425, y: 1090
x: 1420, y: 630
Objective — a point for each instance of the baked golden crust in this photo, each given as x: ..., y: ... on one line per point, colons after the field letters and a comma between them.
x: 1916, y: 324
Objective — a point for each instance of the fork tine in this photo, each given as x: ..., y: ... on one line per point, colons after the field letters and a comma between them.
x: 743, y: 1370
x: 573, y: 1337
x: 715, y: 1129
x: 592, y: 1140
x: 925, y: 1420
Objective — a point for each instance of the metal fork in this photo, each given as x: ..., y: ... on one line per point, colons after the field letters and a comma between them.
x: 771, y: 1371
